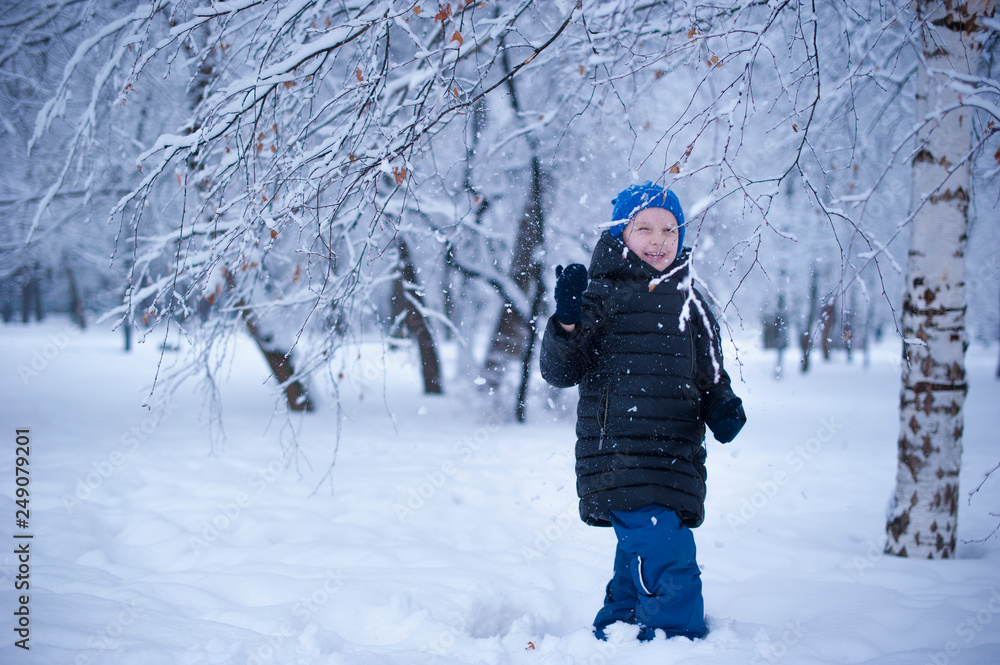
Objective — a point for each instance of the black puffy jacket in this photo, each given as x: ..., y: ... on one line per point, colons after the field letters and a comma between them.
x: 648, y: 378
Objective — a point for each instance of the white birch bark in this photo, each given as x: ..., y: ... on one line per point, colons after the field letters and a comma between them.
x: 924, y: 515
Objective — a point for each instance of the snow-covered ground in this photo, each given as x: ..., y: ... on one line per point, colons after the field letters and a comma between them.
x: 439, y: 537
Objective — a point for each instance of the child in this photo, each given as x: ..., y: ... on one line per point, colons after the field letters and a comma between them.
x: 644, y: 349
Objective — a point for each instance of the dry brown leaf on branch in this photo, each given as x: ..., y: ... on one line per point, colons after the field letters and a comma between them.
x: 444, y: 13
x: 457, y: 37
x: 399, y: 174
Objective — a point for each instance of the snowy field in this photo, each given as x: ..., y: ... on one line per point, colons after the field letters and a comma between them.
x: 440, y: 537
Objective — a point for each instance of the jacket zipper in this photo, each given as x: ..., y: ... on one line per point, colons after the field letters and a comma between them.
x: 694, y: 352
x: 602, y: 414
x: 692, y: 335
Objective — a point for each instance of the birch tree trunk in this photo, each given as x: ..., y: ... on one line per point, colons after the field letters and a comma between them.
x: 924, y: 515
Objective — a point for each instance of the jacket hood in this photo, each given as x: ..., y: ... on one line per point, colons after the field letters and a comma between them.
x: 613, y: 259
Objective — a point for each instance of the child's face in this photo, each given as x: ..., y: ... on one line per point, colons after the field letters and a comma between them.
x: 652, y: 235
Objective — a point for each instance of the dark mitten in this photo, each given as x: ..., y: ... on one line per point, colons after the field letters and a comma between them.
x: 727, y: 419
x: 570, y: 285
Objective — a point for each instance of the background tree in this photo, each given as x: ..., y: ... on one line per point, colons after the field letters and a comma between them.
x: 56, y: 243
x: 409, y: 299
x: 924, y: 518
x: 287, y: 143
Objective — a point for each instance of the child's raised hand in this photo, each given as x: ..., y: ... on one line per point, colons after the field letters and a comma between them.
x: 571, y: 282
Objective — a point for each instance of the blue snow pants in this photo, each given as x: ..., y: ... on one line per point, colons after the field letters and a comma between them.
x: 656, y: 582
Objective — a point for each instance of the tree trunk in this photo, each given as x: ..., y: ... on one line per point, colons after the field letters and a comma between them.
x: 7, y: 306
x: 39, y: 304
x: 847, y: 328
x: 456, y: 284
x: 805, y: 337
x: 75, y: 300
x: 280, y: 363
x: 279, y: 360
x: 406, y: 300
x: 513, y: 332
x: 26, y: 298
x: 924, y: 516
x: 827, y: 318
x: 537, y: 304
x: 31, y: 295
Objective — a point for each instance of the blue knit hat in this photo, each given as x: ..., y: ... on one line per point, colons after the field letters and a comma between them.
x: 635, y: 198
